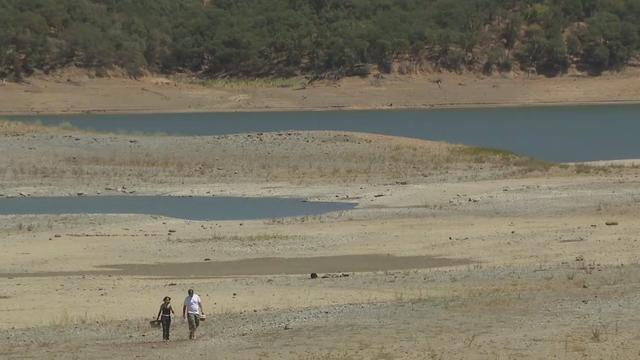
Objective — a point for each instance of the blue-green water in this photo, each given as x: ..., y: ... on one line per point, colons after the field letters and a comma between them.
x: 561, y: 134
x: 191, y: 208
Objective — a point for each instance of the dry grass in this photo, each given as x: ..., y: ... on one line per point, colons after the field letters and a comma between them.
x: 16, y: 128
x: 294, y: 157
x: 481, y: 154
x: 238, y: 83
x: 252, y: 238
x: 591, y: 169
x: 597, y: 332
x: 496, y: 157
x: 346, y: 355
x: 66, y: 319
x: 13, y: 128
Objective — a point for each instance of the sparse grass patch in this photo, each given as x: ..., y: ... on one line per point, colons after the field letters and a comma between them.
x: 571, y: 276
x: 412, y: 296
x: 597, y: 332
x: 583, y: 169
x: 305, y: 219
x: 298, y: 157
x: 11, y: 127
x: 253, y: 237
x: 482, y: 154
x: 66, y: 319
x: 331, y: 356
x: 20, y: 227
x: 591, y: 169
x: 242, y: 238
x: 236, y: 83
x: 66, y: 125
x: 530, y: 164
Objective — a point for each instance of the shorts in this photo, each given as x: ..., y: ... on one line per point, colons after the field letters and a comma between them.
x: 193, y: 320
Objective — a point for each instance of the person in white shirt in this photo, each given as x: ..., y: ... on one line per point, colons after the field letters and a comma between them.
x: 192, y: 310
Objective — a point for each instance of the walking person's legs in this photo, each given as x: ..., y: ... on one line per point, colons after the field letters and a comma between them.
x: 166, y: 327
x: 194, y: 322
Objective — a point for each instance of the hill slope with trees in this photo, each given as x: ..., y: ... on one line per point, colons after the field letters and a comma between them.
x: 322, y: 38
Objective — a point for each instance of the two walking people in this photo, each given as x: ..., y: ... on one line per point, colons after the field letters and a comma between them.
x: 191, y: 311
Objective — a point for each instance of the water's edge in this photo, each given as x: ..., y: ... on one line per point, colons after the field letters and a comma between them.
x: 555, y: 134
x: 189, y: 208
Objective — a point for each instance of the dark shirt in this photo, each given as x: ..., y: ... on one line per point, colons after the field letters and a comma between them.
x: 166, y: 310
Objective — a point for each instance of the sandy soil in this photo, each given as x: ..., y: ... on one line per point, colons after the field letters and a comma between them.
x: 503, y: 257
x: 73, y: 91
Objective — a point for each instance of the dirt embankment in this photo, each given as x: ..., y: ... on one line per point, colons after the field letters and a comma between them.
x: 75, y: 92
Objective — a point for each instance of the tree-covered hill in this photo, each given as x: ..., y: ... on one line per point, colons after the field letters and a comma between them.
x: 256, y: 38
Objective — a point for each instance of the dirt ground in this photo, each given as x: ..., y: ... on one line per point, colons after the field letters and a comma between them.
x: 451, y: 253
x: 76, y: 91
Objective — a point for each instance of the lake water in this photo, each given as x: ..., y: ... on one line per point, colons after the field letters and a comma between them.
x: 560, y: 134
x: 191, y: 208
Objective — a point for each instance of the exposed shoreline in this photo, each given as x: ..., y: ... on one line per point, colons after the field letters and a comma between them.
x: 72, y: 94
x: 530, y: 247
x: 541, y: 259
x: 115, y: 111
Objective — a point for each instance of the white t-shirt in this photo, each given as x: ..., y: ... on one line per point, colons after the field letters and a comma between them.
x: 192, y: 304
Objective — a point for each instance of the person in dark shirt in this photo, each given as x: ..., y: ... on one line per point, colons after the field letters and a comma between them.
x: 164, y: 315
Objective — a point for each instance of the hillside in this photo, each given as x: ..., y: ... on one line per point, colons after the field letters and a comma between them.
x: 319, y: 38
